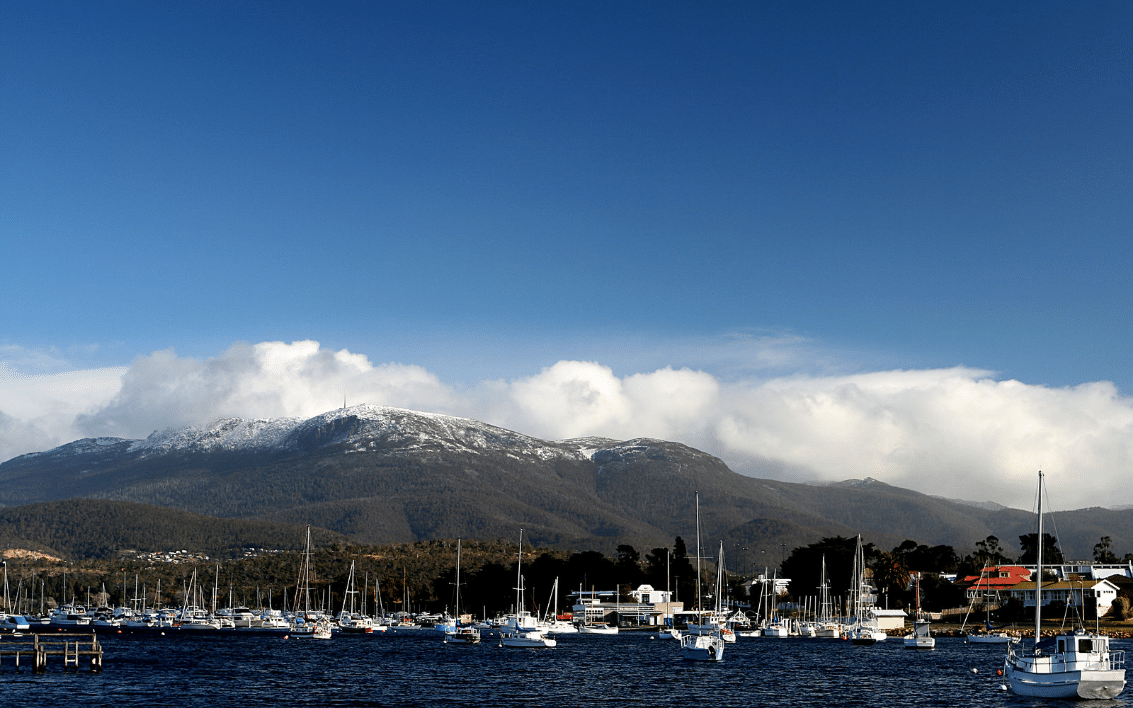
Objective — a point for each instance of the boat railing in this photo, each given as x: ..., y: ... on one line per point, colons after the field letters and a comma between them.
x: 1057, y: 663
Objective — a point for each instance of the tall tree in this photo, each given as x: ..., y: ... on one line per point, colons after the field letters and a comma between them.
x: 890, y: 576
x: 1027, y: 544
x: 1102, y: 551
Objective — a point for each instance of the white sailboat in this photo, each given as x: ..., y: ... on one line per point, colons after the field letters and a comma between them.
x: 708, y: 646
x: 458, y: 634
x: 863, y: 631
x: 991, y: 635
x: 306, y: 625
x: 551, y: 622
x: 775, y: 626
x: 349, y: 621
x: 1069, y: 665
x: 522, y: 629
x: 828, y: 627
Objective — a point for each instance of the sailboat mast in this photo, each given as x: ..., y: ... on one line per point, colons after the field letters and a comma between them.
x: 699, y: 604
x: 1039, y: 566
x: 458, y: 582
x: 519, y: 581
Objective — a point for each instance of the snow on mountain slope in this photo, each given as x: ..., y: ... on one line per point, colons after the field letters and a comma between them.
x: 360, y: 428
x: 227, y: 434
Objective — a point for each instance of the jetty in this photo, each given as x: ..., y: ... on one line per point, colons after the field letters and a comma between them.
x: 34, y: 650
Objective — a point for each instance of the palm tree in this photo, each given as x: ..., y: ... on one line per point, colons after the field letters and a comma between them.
x: 890, y: 573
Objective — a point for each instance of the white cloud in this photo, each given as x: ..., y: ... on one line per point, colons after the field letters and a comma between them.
x: 38, y: 412
x: 955, y: 432
x: 266, y: 380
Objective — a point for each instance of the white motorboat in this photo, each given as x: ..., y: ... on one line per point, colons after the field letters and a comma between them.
x: 1069, y: 665
x: 921, y: 638
x: 70, y: 616
x: 597, y: 628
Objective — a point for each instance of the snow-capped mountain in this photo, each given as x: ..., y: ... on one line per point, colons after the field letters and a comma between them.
x: 358, y: 428
x: 378, y: 474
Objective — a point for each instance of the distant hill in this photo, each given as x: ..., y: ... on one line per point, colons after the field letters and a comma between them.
x: 93, y: 528
x: 382, y: 475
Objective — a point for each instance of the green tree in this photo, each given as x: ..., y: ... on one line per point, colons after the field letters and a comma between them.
x: 890, y: 576
x: 1102, y: 551
x: 804, y: 566
x: 629, y: 565
x: 1027, y: 544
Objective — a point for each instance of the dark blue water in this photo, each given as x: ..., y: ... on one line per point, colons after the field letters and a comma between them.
x: 631, y: 669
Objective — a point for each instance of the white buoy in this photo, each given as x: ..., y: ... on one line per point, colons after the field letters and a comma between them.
x: 975, y: 670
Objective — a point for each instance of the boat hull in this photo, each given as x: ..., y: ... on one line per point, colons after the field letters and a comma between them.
x: 992, y: 639
x: 702, y: 648
x: 1092, y: 685
x: 527, y: 640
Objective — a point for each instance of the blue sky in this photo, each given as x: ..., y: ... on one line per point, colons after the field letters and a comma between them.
x: 752, y: 191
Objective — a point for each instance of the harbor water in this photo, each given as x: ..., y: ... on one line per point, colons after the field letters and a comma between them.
x: 629, y: 669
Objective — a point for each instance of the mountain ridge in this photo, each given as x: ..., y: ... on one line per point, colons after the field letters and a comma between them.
x: 379, y: 474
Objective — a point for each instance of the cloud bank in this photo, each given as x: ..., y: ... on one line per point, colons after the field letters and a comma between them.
x: 954, y: 432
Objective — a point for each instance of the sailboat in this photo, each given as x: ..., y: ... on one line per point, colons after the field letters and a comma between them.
x: 349, y: 621
x: 522, y: 629
x: 921, y: 638
x: 775, y: 626
x: 551, y: 622
x: 1068, y: 665
x: 458, y: 634
x: 307, y: 626
x: 828, y: 626
x: 862, y: 632
x: 991, y: 636
x: 708, y: 646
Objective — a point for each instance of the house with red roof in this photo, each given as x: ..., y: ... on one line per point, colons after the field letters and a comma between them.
x: 993, y: 582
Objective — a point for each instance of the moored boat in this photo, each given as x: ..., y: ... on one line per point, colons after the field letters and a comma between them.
x: 1069, y: 665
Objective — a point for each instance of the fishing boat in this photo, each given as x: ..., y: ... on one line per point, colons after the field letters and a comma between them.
x: 308, y: 625
x: 522, y: 630
x: 1069, y: 665
x: 921, y: 637
x: 709, y: 646
x: 460, y: 634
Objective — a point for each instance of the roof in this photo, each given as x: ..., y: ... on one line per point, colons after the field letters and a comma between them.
x: 1064, y: 585
x: 996, y: 578
x: 887, y: 613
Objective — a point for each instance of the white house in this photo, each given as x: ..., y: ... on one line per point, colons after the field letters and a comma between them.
x: 1099, y: 594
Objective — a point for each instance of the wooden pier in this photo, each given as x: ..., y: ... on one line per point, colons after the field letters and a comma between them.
x: 34, y: 650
